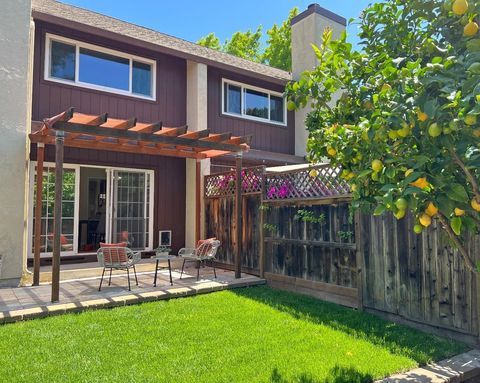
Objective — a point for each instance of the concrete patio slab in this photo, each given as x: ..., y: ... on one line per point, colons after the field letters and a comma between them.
x: 79, y: 290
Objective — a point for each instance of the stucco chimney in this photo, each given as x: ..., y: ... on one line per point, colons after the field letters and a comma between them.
x: 307, y: 29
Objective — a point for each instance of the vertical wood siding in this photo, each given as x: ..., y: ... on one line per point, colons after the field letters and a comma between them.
x: 169, y: 191
x: 268, y: 137
x: 51, y: 98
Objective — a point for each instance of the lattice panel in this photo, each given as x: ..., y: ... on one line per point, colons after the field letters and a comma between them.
x: 315, y: 182
x: 224, y: 184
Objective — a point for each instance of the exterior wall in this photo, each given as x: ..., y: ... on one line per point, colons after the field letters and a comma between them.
x: 51, y: 98
x: 307, y: 29
x: 15, y: 100
x: 197, y: 119
x: 169, y: 200
x: 266, y: 136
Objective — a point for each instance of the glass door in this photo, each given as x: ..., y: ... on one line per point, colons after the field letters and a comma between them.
x: 129, y: 208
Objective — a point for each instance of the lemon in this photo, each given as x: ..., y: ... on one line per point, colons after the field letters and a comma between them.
x: 431, y: 209
x: 350, y: 175
x: 470, y: 29
x: 291, y: 106
x: 425, y: 220
x: 459, y: 212
x: 422, y: 116
x: 470, y: 119
x: 475, y: 205
x: 401, y: 203
x: 353, y: 188
x: 460, y: 7
x: 392, y: 134
x: 418, y: 229
x: 408, y: 172
x: 313, y: 173
x: 331, y: 152
x: 377, y: 165
x: 400, y: 214
x: 386, y: 87
x: 404, y: 132
x: 434, y: 130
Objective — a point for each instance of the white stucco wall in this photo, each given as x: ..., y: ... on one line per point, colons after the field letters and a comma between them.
x: 305, y: 32
x: 15, y: 114
x: 196, y: 120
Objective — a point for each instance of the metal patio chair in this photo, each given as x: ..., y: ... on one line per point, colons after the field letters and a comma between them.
x: 118, y: 258
x: 205, y: 252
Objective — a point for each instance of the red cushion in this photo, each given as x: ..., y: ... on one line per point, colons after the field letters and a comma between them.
x: 114, y: 255
x: 202, y: 241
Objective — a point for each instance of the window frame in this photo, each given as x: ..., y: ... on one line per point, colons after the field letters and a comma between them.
x: 243, y: 115
x: 78, y: 44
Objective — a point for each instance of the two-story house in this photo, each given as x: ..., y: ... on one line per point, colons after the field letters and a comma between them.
x: 59, y: 56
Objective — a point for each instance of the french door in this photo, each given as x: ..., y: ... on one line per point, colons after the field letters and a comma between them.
x: 129, y: 198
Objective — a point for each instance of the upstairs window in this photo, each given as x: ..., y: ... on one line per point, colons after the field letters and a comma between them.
x: 253, y: 103
x: 94, y: 67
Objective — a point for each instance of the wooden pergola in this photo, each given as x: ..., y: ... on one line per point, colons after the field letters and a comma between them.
x: 79, y: 130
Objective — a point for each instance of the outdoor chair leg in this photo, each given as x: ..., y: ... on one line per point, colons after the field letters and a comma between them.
x: 128, y: 277
x: 170, y: 271
x: 135, y: 272
x: 110, y: 278
x: 183, y: 265
x: 214, y: 272
x: 156, y: 272
x: 101, y: 280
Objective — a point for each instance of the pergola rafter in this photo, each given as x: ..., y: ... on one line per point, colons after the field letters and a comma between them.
x: 100, y: 132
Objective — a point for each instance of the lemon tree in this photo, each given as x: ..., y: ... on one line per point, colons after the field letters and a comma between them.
x: 405, y: 128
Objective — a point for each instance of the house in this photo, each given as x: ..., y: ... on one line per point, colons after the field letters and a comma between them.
x: 56, y: 56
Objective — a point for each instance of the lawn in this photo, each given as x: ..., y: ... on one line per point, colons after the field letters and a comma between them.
x: 245, y: 335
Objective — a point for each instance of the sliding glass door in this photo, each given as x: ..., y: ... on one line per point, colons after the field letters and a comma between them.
x: 129, y: 194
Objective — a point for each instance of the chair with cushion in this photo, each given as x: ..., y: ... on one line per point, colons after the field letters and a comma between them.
x: 119, y: 257
x: 203, y: 253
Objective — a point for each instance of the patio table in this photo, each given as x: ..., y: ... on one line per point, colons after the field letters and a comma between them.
x: 159, y: 257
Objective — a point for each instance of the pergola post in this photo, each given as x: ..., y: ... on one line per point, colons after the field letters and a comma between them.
x: 238, y: 215
x: 38, y: 214
x: 198, y: 202
x: 57, y: 217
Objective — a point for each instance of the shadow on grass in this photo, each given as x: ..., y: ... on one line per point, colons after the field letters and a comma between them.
x: 398, y: 339
x: 337, y: 374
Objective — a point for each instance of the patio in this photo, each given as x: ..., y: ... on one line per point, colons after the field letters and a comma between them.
x: 79, y: 289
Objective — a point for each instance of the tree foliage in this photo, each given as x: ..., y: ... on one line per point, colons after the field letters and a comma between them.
x: 277, y: 52
x: 400, y: 116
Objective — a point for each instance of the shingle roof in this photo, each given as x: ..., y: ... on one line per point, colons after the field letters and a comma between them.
x: 96, y: 20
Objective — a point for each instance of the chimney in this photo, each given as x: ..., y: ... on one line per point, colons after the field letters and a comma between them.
x: 307, y: 29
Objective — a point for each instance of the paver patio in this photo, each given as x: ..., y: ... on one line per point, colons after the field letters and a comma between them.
x: 79, y: 289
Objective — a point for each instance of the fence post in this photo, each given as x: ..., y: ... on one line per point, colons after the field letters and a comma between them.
x: 238, y: 215
x: 261, y: 245
x: 359, y: 258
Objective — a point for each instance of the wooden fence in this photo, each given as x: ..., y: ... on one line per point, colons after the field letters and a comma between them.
x: 299, y: 233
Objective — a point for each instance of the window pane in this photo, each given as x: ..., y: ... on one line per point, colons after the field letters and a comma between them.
x: 256, y: 103
x: 233, y: 99
x: 276, y: 109
x: 103, y: 69
x: 62, y: 61
x: 142, y: 78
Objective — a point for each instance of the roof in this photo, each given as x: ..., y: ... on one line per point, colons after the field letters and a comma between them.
x: 54, y: 11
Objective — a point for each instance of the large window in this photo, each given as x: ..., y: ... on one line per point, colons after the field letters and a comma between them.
x: 253, y: 103
x: 94, y: 67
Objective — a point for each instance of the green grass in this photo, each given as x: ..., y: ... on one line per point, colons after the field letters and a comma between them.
x: 244, y: 335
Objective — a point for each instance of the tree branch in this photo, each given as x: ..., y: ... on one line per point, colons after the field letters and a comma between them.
x: 461, y: 248
x: 468, y: 174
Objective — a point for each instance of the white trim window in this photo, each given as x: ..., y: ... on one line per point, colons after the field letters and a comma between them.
x: 253, y: 103
x: 76, y: 63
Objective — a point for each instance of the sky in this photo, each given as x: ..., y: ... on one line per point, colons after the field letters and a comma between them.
x: 194, y: 19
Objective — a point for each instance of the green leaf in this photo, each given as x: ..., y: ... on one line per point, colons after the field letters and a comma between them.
x: 456, y: 225
x: 457, y: 193
x: 445, y: 204
x: 379, y: 210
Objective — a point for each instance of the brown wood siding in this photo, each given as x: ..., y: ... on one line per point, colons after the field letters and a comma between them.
x: 169, y: 199
x: 51, y: 98
x: 266, y: 136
